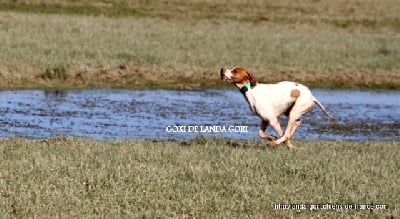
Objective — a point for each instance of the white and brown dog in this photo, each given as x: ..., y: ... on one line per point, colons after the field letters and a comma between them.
x: 269, y: 101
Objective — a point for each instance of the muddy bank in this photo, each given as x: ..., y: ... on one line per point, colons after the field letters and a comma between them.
x: 127, y: 77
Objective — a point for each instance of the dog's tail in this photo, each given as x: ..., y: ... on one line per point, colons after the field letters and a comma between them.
x: 323, y: 109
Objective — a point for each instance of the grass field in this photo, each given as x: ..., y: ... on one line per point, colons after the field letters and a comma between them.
x: 134, y: 44
x: 340, y: 13
x: 181, y: 44
x: 200, y: 178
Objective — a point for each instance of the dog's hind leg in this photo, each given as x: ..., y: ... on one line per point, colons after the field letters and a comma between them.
x: 301, y: 107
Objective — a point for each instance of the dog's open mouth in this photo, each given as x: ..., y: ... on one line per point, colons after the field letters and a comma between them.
x: 226, y: 79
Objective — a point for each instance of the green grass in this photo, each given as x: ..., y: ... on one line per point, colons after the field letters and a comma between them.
x: 200, y: 178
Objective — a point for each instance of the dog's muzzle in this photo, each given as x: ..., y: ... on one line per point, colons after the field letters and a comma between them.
x: 223, y: 76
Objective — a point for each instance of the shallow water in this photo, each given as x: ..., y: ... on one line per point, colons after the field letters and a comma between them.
x: 126, y: 114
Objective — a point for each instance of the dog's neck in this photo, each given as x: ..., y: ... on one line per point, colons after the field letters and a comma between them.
x: 245, y: 88
x: 248, y: 96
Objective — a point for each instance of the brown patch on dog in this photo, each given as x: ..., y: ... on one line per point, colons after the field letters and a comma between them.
x: 253, y: 80
x: 295, y: 93
x: 241, y: 76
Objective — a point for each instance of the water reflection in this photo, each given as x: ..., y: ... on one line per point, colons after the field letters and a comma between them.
x: 55, y: 95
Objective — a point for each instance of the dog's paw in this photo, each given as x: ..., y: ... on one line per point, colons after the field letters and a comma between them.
x: 272, y: 143
x: 268, y: 137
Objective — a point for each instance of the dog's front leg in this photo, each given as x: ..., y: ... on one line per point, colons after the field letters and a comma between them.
x: 262, y: 133
x: 291, y: 128
x: 277, y: 127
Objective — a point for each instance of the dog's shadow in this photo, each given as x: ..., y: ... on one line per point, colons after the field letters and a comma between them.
x: 228, y: 142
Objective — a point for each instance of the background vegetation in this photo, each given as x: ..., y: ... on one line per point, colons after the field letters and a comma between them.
x: 183, y: 44
x: 201, y: 178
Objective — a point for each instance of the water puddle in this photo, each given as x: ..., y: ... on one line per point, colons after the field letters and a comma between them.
x: 161, y: 114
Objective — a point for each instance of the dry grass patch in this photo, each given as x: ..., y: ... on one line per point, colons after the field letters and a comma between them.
x: 370, y: 14
x: 41, y: 50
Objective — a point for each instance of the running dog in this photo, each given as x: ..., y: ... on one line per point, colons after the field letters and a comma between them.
x: 270, y: 101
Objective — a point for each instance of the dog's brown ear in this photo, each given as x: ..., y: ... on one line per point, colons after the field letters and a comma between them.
x: 252, y: 79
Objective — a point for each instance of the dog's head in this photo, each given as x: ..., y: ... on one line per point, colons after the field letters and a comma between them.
x: 238, y: 76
